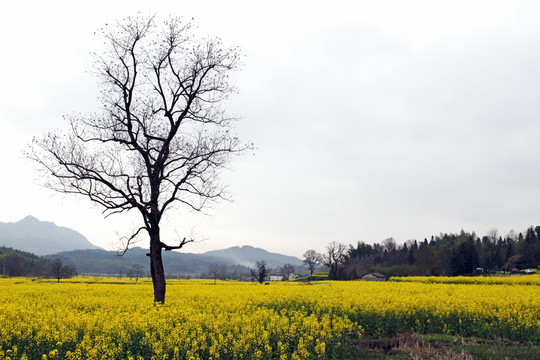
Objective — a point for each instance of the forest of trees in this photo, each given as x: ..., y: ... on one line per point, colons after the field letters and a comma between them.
x: 20, y: 263
x: 444, y: 255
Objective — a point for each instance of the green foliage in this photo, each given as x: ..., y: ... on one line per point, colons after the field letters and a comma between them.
x: 447, y: 254
x: 397, y: 270
x: 319, y: 276
x: 20, y: 263
x: 417, y: 346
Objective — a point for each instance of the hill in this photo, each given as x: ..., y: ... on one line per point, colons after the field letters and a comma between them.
x: 104, y: 262
x: 20, y: 263
x: 41, y: 237
x: 247, y: 255
x: 98, y: 261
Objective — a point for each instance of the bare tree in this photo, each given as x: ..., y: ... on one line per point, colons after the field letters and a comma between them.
x: 260, y: 272
x: 389, y: 244
x: 312, y: 259
x: 162, y: 136
x: 216, y: 270
x: 61, y: 271
x: 334, y: 258
x: 287, y: 270
x: 493, y: 235
x: 136, y: 272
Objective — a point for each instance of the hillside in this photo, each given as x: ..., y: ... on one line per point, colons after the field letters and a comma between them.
x: 247, y: 255
x: 97, y: 261
x: 41, y: 237
x: 104, y: 262
x: 20, y: 263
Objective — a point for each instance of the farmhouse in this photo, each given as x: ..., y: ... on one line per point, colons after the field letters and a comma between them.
x: 374, y: 276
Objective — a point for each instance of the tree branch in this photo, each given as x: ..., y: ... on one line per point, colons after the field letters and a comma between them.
x: 176, y: 247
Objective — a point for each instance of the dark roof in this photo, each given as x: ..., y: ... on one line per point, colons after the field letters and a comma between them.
x: 376, y: 274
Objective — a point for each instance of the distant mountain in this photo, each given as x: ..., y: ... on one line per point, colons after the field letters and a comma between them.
x: 41, y: 237
x: 248, y: 255
x: 109, y: 263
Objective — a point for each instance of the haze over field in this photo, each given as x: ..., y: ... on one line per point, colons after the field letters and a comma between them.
x: 371, y: 120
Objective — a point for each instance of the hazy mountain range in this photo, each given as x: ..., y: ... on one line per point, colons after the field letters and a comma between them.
x: 46, y: 238
x: 41, y: 237
x: 247, y: 255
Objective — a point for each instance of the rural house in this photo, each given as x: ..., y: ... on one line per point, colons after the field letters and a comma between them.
x: 374, y: 276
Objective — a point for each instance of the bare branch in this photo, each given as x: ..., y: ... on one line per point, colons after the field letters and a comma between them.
x: 128, y: 241
x: 176, y: 247
x: 162, y: 135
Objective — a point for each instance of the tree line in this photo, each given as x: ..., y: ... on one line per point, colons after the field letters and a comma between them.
x: 444, y: 255
x: 462, y: 253
x: 20, y: 263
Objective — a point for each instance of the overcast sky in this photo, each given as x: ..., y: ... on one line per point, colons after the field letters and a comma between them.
x: 371, y: 120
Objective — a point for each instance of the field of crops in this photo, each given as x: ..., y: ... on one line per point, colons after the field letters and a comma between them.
x: 89, y: 318
x: 473, y: 280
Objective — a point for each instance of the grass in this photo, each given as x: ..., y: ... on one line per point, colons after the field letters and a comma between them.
x: 441, y: 347
x: 320, y: 276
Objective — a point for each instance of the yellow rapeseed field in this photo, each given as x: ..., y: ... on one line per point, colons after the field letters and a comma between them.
x: 488, y: 280
x: 89, y: 318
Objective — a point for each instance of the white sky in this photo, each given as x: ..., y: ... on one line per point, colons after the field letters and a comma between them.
x: 371, y: 119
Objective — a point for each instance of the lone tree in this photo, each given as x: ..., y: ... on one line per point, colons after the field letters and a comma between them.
x: 260, y: 272
x: 162, y: 135
x: 216, y: 270
x: 61, y: 271
x: 334, y: 258
x: 136, y: 272
x: 312, y: 259
x: 288, y: 269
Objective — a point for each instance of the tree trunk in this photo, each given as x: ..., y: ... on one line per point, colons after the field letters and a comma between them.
x: 156, y: 268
